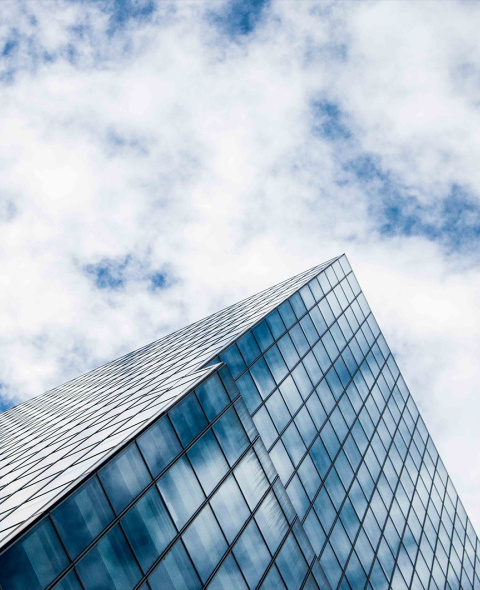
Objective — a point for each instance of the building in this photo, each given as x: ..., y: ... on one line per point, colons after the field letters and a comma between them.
x: 272, y: 445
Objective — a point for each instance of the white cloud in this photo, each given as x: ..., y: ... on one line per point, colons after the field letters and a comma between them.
x: 192, y: 153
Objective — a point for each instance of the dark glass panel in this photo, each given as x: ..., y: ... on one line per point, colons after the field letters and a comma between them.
x: 275, y: 324
x: 33, y: 561
x: 263, y: 336
x: 288, y: 351
x: 287, y: 314
x: 69, y: 582
x: 307, y: 297
x: 175, y: 572
x: 124, y: 477
x: 159, y: 445
x: 298, y: 305
x: 188, y: 419
x: 252, y: 555
x: 263, y: 378
x: 271, y: 521
x: 181, y: 491
x: 278, y: 410
x: 230, y: 508
x: 149, y: 528
x: 249, y: 392
x: 110, y: 564
x: 276, y: 363
x: 205, y: 542
x: 234, y: 360
x: 208, y: 461
x: 87, y: 512
x: 228, y: 577
x: 291, y: 563
x: 249, y: 348
x: 212, y: 396
x: 305, y: 426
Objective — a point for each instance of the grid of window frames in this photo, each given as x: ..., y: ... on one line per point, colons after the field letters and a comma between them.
x: 349, y: 445
x: 50, y: 441
x: 194, y: 502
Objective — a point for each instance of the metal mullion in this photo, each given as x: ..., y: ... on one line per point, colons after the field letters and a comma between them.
x: 437, y: 535
x: 410, y: 507
x: 349, y: 428
x: 375, y: 551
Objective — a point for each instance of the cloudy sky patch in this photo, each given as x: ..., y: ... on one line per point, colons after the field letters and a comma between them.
x: 161, y: 160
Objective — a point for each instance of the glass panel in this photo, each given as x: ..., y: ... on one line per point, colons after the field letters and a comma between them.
x: 124, y: 477
x: 276, y: 364
x: 275, y: 324
x: 159, y: 445
x: 149, y: 528
x: 212, y: 396
x: 288, y: 351
x: 263, y: 336
x: 298, y: 305
x: 290, y: 394
x: 188, y: 419
x: 249, y: 348
x: 230, y: 508
x: 278, y: 410
x: 69, y: 582
x: 271, y: 521
x: 252, y: 554
x: 110, y: 564
x: 249, y: 392
x: 205, y: 542
x: 265, y: 427
x: 292, y: 564
x: 251, y: 479
x: 287, y: 314
x: 263, y: 378
x: 234, y: 360
x: 273, y: 581
x: 33, y: 561
x: 231, y: 435
x: 87, y: 512
x: 228, y: 577
x: 181, y: 491
x: 175, y: 572
x: 208, y: 461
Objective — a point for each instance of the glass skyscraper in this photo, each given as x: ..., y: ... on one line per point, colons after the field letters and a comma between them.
x: 273, y: 445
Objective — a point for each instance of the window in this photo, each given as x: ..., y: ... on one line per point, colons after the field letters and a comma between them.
x: 124, y: 477
x: 34, y: 561
x: 110, y: 564
x: 208, y: 461
x: 188, y: 419
x: 175, y: 571
x: 159, y: 445
x: 148, y: 527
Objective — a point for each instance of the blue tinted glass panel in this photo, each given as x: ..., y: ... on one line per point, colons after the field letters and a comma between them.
x: 231, y: 435
x: 276, y: 364
x: 69, y: 582
x: 249, y: 348
x: 228, y: 577
x: 188, y: 419
x: 287, y: 314
x: 307, y: 296
x: 288, y: 351
x: 273, y: 580
x: 148, y: 527
x: 110, y: 564
x: 309, y: 330
x: 249, y: 392
x: 278, y: 410
x: 292, y: 564
x: 124, y: 477
x: 34, y: 561
x: 298, y: 305
x: 251, y: 479
x: 230, y: 508
x: 299, y: 340
x: 272, y: 522
x: 265, y: 427
x: 252, y: 554
x: 175, y: 572
x: 275, y: 324
x: 263, y: 378
x: 208, y: 461
x: 181, y: 491
x: 263, y: 336
x: 87, y: 512
x: 212, y: 396
x: 205, y: 542
x: 159, y: 445
x: 234, y: 360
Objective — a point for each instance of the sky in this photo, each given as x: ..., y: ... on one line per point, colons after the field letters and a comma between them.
x: 162, y: 160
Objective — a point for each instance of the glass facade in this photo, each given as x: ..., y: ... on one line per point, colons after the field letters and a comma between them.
x: 297, y: 459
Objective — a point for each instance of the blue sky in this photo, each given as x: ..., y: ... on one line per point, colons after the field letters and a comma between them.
x: 161, y: 160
